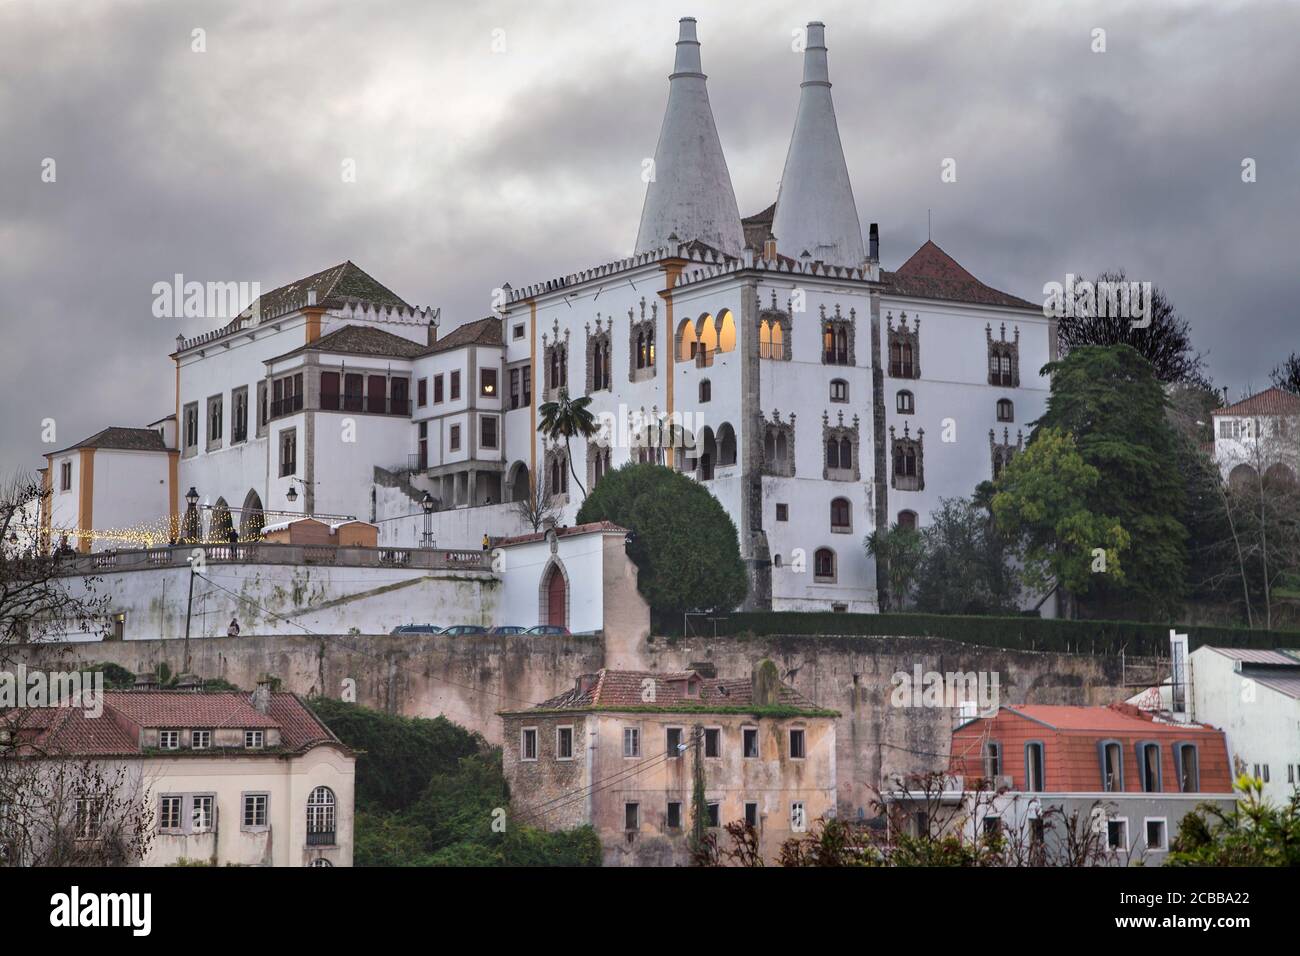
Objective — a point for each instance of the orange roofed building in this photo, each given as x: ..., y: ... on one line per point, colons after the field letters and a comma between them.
x: 1030, y: 772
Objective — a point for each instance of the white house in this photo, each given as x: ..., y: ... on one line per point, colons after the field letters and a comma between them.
x: 1259, y: 435
x: 1254, y: 697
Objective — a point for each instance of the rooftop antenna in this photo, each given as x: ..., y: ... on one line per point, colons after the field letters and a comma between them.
x: 927, y: 225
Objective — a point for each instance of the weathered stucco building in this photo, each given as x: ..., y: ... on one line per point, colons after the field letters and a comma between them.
x: 621, y: 750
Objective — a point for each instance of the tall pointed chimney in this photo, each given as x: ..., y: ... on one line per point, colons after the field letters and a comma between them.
x: 690, y: 194
x: 815, y: 212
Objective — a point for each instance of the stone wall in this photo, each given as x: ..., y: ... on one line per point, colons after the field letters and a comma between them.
x: 470, y: 679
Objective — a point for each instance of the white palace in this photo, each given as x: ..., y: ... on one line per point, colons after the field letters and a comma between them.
x: 821, y: 395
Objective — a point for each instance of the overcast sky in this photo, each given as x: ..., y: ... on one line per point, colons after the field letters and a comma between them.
x: 476, y: 167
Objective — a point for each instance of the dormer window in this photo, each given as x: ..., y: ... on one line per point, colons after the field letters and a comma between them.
x: 254, y: 739
x: 692, y: 688
x: 200, y: 739
x: 169, y: 739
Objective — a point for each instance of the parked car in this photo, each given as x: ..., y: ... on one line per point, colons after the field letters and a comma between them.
x: 416, y: 629
x: 503, y: 629
x: 551, y: 629
x: 463, y: 630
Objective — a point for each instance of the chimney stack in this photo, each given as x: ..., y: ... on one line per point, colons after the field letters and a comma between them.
x: 873, y: 242
x: 433, y: 333
x: 769, y: 248
x: 766, y: 684
x: 262, y: 696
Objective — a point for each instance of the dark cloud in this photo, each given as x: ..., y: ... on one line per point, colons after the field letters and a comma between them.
x: 475, y: 167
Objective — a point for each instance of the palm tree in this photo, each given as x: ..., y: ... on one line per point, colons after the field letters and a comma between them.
x: 566, y: 418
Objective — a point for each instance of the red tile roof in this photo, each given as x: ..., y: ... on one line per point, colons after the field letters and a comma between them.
x: 1117, y: 718
x: 479, y: 332
x: 69, y: 731
x: 611, y: 690
x: 933, y: 274
x: 1271, y: 401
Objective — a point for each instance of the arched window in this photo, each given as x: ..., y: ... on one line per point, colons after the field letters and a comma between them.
x: 841, y: 515
x: 907, y: 519
x: 904, y: 403
x: 781, y: 453
x: 824, y: 566
x: 320, y: 817
x: 706, y: 390
x: 1006, y: 411
x: 776, y: 561
x: 686, y: 340
x: 726, y: 331
x: 839, y: 390
x: 904, y: 461
x: 833, y: 453
x: 846, y: 453
x: 726, y: 445
x: 320, y: 861
x: 640, y: 350
x: 707, y: 333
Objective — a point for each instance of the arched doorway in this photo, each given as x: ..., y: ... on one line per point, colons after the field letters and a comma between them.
x: 519, y: 482
x: 554, y: 604
x: 251, y: 519
x: 221, y: 526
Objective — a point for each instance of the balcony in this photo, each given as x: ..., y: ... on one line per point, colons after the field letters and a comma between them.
x: 321, y: 838
x: 286, y: 406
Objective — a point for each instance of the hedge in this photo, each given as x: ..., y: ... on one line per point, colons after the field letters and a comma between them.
x: 1012, y: 633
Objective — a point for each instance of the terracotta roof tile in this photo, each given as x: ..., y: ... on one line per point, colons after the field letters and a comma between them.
x: 120, y: 438
x: 1271, y: 401
x: 609, y: 690
x: 590, y: 527
x: 486, y: 331
x: 933, y: 274
x: 361, y: 340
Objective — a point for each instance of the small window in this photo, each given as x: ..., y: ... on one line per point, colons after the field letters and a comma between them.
x: 254, y: 739
x: 673, y: 818
x: 632, y: 816
x: 1117, y: 834
x: 1034, y: 767
x: 422, y: 392
x: 751, y: 814
x: 1112, y: 766
x: 437, y: 389
x: 713, y: 814
x: 1189, y: 768
x: 528, y: 744
x: 1006, y: 411
x: 518, y: 331
x: 169, y: 739
x: 706, y: 390
x: 288, y: 453
x: 1157, y: 833
x: 798, y: 817
x: 782, y: 512
x: 201, y: 814
x: 320, y: 817
x: 992, y: 827
x: 563, y: 743
x: 255, y: 809
x: 488, y: 425
x: 841, y: 515
x: 712, y: 742
x: 631, y: 742
x: 750, y: 737
x: 839, y: 390
x: 904, y: 403
x: 169, y: 813
x: 796, y: 743
x: 455, y: 385
x: 673, y: 743
x: 992, y: 760
x: 200, y: 739
x: 454, y: 438
x: 65, y: 476
x: 907, y: 519
x: 1148, y: 760
x: 487, y: 381
x: 824, y: 566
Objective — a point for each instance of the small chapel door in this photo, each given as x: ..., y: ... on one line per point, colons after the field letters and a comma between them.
x: 556, y: 598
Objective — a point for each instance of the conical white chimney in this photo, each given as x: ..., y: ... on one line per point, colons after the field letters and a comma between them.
x: 690, y: 195
x: 815, y: 212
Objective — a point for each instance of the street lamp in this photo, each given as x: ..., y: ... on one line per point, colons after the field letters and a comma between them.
x: 292, y: 496
x: 192, y: 529
x: 427, y: 503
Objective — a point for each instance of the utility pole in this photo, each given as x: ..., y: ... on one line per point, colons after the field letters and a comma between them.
x: 699, y: 807
x: 189, y: 608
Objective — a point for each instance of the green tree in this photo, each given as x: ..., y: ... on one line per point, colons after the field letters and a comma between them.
x: 568, y: 418
x: 1253, y: 833
x: 1041, y: 504
x: 898, y: 552
x: 963, y: 568
x: 685, y: 547
x: 1110, y: 400
x: 398, y: 755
